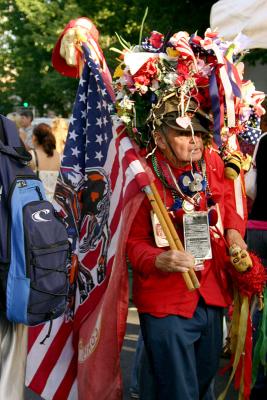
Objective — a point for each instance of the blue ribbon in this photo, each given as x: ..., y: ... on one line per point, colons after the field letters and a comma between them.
x: 235, y: 87
x: 215, y: 105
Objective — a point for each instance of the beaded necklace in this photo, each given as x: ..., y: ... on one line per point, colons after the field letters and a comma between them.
x: 186, y: 192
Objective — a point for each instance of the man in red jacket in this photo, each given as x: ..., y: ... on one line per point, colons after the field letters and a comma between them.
x: 182, y: 329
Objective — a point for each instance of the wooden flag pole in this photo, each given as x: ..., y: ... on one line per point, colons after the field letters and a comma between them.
x: 167, y: 232
x: 179, y: 245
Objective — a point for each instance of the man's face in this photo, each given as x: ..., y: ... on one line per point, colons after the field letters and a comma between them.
x: 185, y: 147
x: 25, y: 121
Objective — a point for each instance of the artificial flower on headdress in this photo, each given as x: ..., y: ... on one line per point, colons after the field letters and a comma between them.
x: 153, y: 43
x: 190, y: 67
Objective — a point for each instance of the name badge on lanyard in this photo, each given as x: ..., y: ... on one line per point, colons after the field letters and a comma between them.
x: 197, y: 235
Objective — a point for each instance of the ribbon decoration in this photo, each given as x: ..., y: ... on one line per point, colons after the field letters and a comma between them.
x: 246, y: 285
x: 240, y: 321
x: 234, y: 79
x: 215, y: 104
x: 229, y: 98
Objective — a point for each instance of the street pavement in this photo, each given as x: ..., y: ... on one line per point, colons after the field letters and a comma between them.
x: 127, y: 356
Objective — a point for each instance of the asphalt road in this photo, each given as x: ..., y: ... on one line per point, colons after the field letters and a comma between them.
x: 127, y: 357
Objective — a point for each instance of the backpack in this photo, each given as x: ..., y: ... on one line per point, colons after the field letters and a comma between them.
x: 34, y: 247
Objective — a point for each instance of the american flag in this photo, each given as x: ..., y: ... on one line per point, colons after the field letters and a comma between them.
x: 180, y: 41
x: 97, y: 191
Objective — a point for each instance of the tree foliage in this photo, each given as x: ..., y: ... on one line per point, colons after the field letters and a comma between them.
x: 29, y: 30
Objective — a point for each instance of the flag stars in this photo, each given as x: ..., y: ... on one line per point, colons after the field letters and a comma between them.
x: 104, y: 92
x: 83, y: 114
x: 99, y: 139
x: 72, y: 119
x: 105, y: 121
x: 75, y: 151
x: 110, y: 107
x: 99, y: 155
x: 77, y: 168
x: 82, y: 97
x: 72, y: 135
x: 106, y: 137
x: 82, y: 81
x: 99, y: 122
x: 98, y: 105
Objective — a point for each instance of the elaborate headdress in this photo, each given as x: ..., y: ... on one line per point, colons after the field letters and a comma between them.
x: 197, y: 79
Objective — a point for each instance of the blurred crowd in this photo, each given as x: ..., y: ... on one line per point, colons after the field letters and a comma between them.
x: 25, y: 123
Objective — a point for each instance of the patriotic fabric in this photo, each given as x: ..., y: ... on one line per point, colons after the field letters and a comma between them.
x: 252, y: 132
x: 98, y: 189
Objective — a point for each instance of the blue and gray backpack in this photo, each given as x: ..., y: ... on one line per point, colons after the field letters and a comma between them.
x: 34, y: 248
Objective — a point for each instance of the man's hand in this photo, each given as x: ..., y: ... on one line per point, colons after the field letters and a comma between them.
x: 175, y: 261
x: 234, y: 237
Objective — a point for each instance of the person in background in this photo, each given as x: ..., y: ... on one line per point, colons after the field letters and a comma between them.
x: 45, y: 159
x: 257, y: 242
x: 60, y: 130
x: 13, y: 116
x: 26, y: 118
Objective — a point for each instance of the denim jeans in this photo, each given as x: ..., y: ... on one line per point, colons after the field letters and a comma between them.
x: 182, y: 354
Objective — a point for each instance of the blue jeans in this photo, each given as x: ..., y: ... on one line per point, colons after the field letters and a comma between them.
x: 183, y: 353
x: 135, y: 376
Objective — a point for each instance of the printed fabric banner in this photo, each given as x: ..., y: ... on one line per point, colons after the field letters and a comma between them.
x: 97, y: 195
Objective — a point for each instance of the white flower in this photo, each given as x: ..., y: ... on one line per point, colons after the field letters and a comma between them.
x: 126, y: 103
x: 119, y: 95
x: 141, y: 88
x: 170, y: 78
x: 126, y: 119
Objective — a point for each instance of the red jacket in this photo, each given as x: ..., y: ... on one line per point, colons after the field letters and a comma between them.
x: 161, y: 293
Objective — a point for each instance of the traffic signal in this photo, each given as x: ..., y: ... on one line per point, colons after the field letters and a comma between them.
x: 25, y: 104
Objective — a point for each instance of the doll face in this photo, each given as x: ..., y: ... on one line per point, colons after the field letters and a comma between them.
x: 181, y: 148
x: 239, y: 258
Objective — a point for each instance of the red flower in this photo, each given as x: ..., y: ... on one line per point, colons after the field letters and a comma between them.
x: 146, y: 73
x: 151, y: 68
x: 201, y: 81
x: 183, y: 70
x: 156, y: 39
x: 203, y: 98
x: 142, y: 80
x: 180, y: 80
x: 196, y: 39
